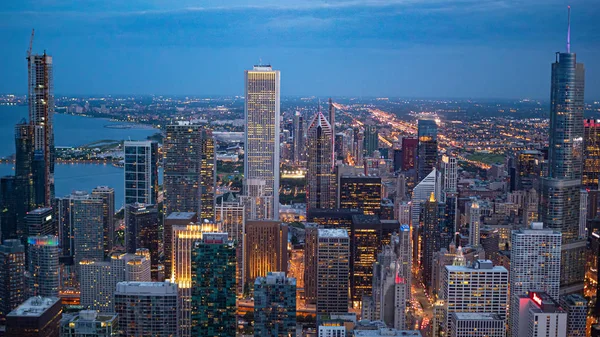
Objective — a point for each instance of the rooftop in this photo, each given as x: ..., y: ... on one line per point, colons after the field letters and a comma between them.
x: 181, y: 215
x: 39, y: 211
x: 386, y: 332
x: 333, y: 233
x: 34, y: 306
x: 147, y: 288
x: 276, y: 277
x: 477, y: 316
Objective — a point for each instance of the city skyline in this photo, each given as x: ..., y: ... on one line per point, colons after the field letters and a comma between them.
x: 416, y: 40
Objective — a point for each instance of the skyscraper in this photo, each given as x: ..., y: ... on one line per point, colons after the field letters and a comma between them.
x: 87, y: 221
x: 41, y: 111
x: 409, y: 153
x: 576, y: 307
x: 231, y: 216
x: 539, y: 315
x: 36, y: 317
x: 189, y: 171
x: 142, y: 231
x: 141, y: 172
x: 172, y: 220
x: 12, y: 276
x: 534, y: 264
x: 559, y: 202
x: 266, y: 249
x: 275, y: 305
x: 27, y: 180
x: 333, y: 254
x: 331, y: 119
x: 422, y: 192
x: 213, y: 286
x: 89, y: 323
x: 591, y: 154
x: 430, y: 241
x: 147, y: 308
x: 427, y: 150
x: 41, y: 221
x: 360, y: 192
x: 371, y: 140
x: 43, y: 265
x: 261, y: 165
x: 319, y: 174
x: 107, y: 194
x: 299, y: 150
x: 474, y: 223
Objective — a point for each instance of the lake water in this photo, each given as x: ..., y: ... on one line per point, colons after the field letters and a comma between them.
x: 72, y: 130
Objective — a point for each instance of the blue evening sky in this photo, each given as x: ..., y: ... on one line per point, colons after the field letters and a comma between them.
x: 406, y: 48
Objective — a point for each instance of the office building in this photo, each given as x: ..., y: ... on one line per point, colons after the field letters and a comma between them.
x: 528, y: 170
x: 559, y: 202
x: 98, y: 280
x: 576, y: 307
x: 87, y: 226
x: 591, y: 154
x: 12, y: 276
x: 371, y: 140
x: 266, y: 249
x: 464, y: 324
x: 147, y: 309
x: 490, y: 242
x: 8, y: 203
x: 430, y: 238
x: 331, y: 118
x: 172, y: 220
x: 427, y: 150
x: 450, y: 171
x: 43, y: 265
x: 332, y: 329
x: 333, y: 253
x: 231, y: 216
x: 142, y: 231
x: 40, y: 222
x: 107, y: 194
x: 36, y: 317
x: 311, y: 240
x: 41, y: 118
x: 261, y: 146
x: 213, y: 287
x: 320, y: 190
x: 360, y: 192
x: 20, y: 192
x: 409, y: 153
x: 275, y: 305
x: 534, y: 263
x: 479, y: 287
x: 141, y: 172
x: 422, y: 192
x: 89, y: 323
x: 539, y: 315
x: 189, y: 172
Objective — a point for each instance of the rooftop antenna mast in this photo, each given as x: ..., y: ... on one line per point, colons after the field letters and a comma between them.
x: 569, y: 32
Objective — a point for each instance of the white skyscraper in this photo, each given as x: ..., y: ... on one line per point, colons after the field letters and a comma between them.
x: 538, y: 315
x: 43, y: 265
x: 450, y: 168
x: 480, y: 287
x: 422, y: 192
x: 261, y: 164
x: 474, y: 223
x: 476, y: 324
x: 333, y: 255
x: 534, y: 264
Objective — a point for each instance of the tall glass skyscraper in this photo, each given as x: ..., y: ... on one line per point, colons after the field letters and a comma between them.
x: 141, y: 172
x: 190, y: 170
x: 319, y: 175
x: 560, y: 195
x: 427, y: 150
x: 261, y: 167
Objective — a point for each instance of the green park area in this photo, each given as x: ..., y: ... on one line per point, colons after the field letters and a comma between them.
x: 487, y: 158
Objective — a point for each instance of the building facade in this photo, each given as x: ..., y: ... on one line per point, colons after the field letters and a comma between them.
x: 275, y: 305
x: 141, y: 172
x: 12, y: 276
x: 43, y: 266
x: 333, y: 254
x: 320, y: 161
x: 427, y: 150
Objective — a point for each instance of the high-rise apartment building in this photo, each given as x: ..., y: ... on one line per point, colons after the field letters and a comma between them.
x: 189, y: 173
x: 559, y: 202
x: 107, y: 194
x: 87, y: 226
x: 141, y: 172
x: 480, y: 287
x: 464, y: 324
x: 43, y: 265
x: 320, y: 178
x: 266, y: 249
x: 142, y: 231
x: 360, y: 192
x: 333, y: 268
x: 213, y: 287
x: 231, y: 216
x: 147, y: 309
x: 261, y: 164
x: 275, y: 305
x: 371, y: 140
x: 534, y: 264
x: 12, y: 276
x: 591, y: 154
x: 427, y: 149
x: 41, y: 115
x: 98, y: 280
x: 450, y: 170
x: 89, y: 323
x: 310, y: 263
x: 36, y: 317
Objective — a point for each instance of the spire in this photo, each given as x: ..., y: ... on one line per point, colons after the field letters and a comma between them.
x: 569, y: 32
x: 432, y: 197
x: 459, y: 259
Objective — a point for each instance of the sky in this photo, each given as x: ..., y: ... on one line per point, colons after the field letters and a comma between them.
x: 382, y: 48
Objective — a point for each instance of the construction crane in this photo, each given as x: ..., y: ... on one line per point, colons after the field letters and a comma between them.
x: 30, y: 44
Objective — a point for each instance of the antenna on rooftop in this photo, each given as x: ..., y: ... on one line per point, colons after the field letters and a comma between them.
x: 569, y: 31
